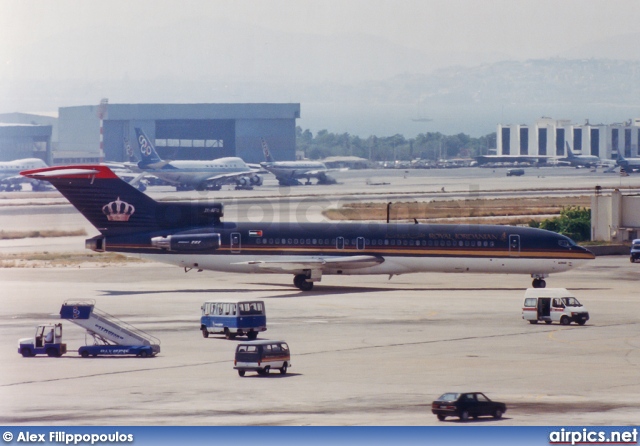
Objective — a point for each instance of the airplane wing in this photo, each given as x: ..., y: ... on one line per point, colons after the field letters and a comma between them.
x: 316, y: 263
x: 257, y: 168
x: 12, y: 179
x: 230, y: 176
x: 137, y: 179
x: 321, y: 172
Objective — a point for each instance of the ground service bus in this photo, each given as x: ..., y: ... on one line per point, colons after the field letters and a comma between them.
x: 245, y: 318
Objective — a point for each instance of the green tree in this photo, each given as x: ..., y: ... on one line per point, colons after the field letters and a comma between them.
x: 428, y: 146
x: 574, y: 222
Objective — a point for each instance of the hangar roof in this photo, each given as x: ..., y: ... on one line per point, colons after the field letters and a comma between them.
x: 25, y: 130
x: 199, y: 111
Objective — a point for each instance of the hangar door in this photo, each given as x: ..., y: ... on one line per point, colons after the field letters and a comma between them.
x: 195, y: 139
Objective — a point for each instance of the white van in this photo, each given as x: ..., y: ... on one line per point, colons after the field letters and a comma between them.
x: 553, y: 305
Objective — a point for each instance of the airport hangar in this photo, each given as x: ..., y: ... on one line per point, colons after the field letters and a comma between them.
x: 105, y: 132
x: 25, y: 135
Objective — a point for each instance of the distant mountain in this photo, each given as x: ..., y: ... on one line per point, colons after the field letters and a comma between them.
x: 475, y: 99
x: 620, y: 47
x: 458, y: 99
x: 548, y: 81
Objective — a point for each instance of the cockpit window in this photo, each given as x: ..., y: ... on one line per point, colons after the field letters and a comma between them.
x: 565, y: 243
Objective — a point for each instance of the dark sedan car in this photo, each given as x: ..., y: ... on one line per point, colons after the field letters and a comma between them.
x: 465, y: 405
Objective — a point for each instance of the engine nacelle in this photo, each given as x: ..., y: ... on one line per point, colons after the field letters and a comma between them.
x: 187, y: 242
x: 256, y: 180
x: 242, y: 181
x: 97, y: 243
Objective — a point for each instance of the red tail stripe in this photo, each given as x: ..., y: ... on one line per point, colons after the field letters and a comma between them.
x: 103, y: 172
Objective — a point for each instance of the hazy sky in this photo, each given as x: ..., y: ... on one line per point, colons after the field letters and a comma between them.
x: 281, y: 50
x: 67, y: 37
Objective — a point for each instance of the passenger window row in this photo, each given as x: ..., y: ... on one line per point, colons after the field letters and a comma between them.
x: 378, y: 242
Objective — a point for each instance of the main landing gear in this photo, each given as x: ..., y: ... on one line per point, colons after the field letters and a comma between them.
x: 300, y: 281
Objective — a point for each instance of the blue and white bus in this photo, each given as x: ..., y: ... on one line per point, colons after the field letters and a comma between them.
x: 244, y: 318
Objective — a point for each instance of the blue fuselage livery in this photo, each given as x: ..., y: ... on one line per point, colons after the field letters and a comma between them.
x: 193, y: 235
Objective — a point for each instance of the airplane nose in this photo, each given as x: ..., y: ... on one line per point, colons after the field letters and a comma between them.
x: 587, y: 254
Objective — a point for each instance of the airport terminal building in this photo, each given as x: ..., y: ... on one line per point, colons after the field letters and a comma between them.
x: 105, y: 132
x: 548, y: 137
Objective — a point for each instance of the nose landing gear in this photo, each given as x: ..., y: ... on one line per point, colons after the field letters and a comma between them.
x: 538, y: 281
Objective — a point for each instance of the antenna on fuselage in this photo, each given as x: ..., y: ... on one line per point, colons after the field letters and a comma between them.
x: 388, y: 211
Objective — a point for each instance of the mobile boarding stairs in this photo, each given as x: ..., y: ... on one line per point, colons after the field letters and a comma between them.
x: 111, y: 336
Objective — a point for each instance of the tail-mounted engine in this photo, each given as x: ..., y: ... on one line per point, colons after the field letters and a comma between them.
x: 96, y: 243
x: 187, y: 242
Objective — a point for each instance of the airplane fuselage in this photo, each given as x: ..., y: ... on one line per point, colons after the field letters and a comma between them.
x: 194, y: 236
x: 13, y: 168
x: 391, y: 248
x: 581, y: 160
x: 194, y: 172
x: 633, y: 163
x: 294, y: 169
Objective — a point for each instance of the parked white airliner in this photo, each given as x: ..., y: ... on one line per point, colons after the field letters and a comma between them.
x: 289, y: 172
x: 196, y: 174
x: 10, y: 178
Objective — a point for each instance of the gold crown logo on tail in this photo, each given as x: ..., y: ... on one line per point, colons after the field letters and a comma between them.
x: 118, y: 210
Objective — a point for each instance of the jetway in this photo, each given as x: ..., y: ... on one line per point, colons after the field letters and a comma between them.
x: 108, y: 331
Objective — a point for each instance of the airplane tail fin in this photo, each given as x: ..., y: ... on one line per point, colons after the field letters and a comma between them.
x: 569, y: 152
x: 147, y: 150
x: 116, y: 208
x: 110, y: 204
x: 128, y: 149
x: 267, y: 154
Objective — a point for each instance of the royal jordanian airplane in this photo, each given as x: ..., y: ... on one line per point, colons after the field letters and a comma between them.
x: 289, y: 172
x: 193, y: 235
x: 196, y: 174
x: 10, y: 178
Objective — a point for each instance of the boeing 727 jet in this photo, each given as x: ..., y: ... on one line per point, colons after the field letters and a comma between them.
x: 194, y: 235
